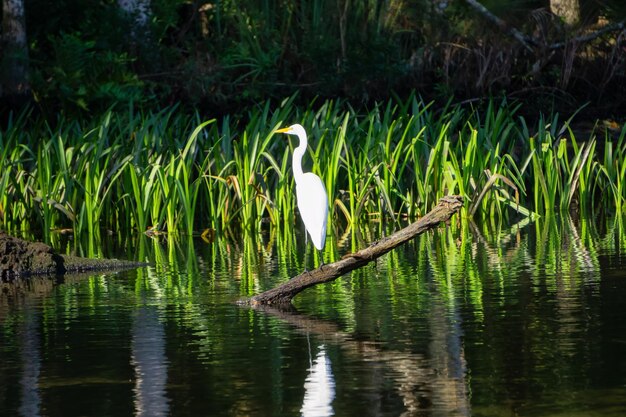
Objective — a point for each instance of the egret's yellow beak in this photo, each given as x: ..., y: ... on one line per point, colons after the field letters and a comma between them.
x: 283, y: 130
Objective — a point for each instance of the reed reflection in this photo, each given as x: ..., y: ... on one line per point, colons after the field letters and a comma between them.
x: 30, y: 398
x: 150, y: 363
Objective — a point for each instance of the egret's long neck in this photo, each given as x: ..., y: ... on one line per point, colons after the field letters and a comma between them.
x: 298, y: 153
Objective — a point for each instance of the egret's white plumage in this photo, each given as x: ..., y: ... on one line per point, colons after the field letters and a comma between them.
x: 310, y: 192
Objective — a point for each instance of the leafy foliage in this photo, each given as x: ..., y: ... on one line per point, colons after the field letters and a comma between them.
x: 81, y: 75
x: 88, y: 55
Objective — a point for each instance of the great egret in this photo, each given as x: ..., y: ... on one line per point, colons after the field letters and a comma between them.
x: 310, y: 193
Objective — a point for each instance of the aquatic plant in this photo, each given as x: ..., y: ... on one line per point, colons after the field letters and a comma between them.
x: 172, y: 172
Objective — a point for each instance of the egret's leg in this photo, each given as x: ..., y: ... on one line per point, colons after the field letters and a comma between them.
x: 321, y: 252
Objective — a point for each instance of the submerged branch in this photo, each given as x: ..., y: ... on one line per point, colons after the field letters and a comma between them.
x: 284, y: 293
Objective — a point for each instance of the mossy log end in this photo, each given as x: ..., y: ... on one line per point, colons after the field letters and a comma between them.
x: 284, y: 293
x: 20, y: 258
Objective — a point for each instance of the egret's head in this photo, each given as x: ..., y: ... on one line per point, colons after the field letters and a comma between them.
x: 293, y: 130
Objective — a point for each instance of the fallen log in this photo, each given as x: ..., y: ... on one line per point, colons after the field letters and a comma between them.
x: 284, y: 293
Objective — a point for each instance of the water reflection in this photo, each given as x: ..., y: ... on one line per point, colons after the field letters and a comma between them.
x: 319, y: 387
x: 149, y: 362
x: 466, y: 320
x: 31, y: 362
x: 447, y: 359
x: 426, y: 386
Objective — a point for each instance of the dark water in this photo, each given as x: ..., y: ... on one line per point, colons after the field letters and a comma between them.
x: 529, y: 321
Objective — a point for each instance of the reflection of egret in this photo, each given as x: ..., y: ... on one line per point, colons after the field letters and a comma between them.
x: 319, y: 388
x: 310, y: 192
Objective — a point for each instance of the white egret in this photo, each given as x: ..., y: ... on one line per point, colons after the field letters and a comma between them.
x: 310, y: 193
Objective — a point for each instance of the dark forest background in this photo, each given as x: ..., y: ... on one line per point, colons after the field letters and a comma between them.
x: 81, y: 57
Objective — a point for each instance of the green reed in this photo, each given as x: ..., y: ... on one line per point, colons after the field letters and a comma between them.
x: 613, y: 168
x: 179, y: 173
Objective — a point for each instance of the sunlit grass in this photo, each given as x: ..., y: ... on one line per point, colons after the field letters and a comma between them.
x: 182, y: 174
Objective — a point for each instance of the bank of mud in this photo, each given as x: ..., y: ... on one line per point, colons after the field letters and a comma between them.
x: 22, y: 259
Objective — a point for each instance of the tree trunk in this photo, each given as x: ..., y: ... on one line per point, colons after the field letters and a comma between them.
x: 15, y: 50
x: 568, y: 10
x: 284, y: 293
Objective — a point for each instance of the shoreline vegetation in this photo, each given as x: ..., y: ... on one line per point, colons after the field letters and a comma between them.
x: 171, y: 171
x: 161, y: 120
